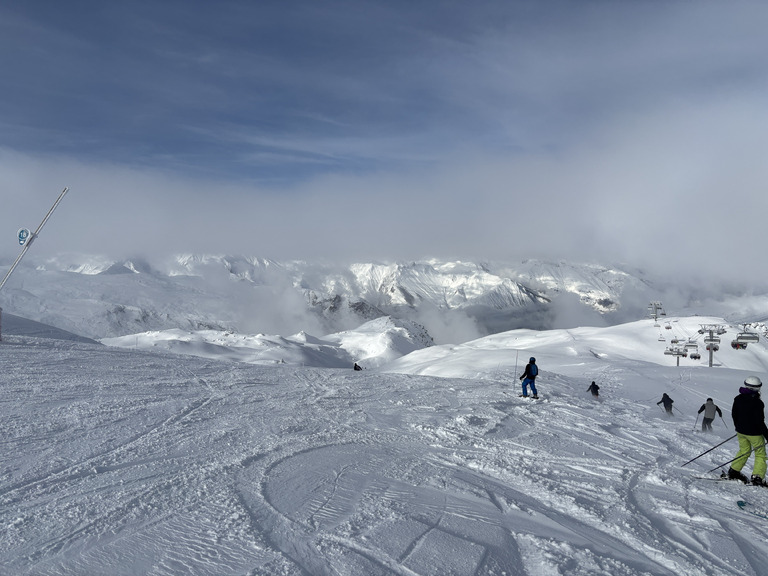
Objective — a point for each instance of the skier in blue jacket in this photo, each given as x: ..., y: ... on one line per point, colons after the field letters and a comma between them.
x: 529, y: 377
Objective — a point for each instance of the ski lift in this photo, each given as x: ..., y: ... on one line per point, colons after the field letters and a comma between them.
x: 691, y: 346
x: 714, y: 347
x: 675, y: 340
x: 745, y: 337
x: 661, y: 338
x: 713, y: 340
x: 738, y: 345
x: 668, y: 326
x: 695, y: 356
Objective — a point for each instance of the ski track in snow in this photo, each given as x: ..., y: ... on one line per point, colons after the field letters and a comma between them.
x: 119, y: 462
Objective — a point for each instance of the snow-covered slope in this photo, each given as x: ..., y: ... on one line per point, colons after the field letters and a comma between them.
x: 634, y: 342
x: 126, y: 462
x: 370, y: 345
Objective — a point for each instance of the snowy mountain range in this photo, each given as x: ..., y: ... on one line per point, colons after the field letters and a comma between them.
x: 454, y: 301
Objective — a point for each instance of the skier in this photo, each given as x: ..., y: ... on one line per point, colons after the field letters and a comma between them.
x: 594, y: 388
x: 748, y: 414
x: 356, y: 366
x: 529, y: 377
x: 667, y: 403
x: 709, y: 408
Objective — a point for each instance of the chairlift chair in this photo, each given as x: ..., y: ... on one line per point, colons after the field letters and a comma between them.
x: 747, y: 337
x: 695, y: 356
x: 738, y: 345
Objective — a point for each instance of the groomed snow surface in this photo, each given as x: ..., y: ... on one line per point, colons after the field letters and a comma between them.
x: 126, y: 461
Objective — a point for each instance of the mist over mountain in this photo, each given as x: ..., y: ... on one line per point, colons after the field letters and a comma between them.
x: 97, y: 297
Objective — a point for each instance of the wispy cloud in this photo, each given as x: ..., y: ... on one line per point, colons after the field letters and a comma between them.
x: 365, y: 130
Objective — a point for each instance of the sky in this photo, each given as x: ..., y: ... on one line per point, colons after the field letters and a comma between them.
x: 387, y: 130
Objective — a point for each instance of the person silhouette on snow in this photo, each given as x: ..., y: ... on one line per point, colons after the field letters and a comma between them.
x: 710, y: 409
x: 529, y: 378
x: 748, y: 414
x: 667, y: 403
x: 594, y: 388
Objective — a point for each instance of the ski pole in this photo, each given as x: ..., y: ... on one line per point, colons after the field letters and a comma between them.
x: 710, y: 450
x: 723, y: 419
x: 732, y: 459
x: 517, y: 353
x: 695, y: 423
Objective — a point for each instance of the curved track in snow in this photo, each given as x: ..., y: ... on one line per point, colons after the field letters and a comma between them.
x: 132, y: 463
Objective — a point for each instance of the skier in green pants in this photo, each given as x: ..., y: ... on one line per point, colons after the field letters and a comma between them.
x: 748, y: 414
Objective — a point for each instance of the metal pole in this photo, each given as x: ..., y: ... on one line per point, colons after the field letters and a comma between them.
x: 27, y: 244
x: 32, y: 237
x: 710, y: 450
x: 517, y: 353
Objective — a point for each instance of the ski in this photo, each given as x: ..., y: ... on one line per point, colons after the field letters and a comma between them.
x: 751, y: 509
x: 531, y: 398
x: 716, y: 478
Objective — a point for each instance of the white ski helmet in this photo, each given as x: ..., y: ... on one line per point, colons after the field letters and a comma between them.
x: 753, y: 382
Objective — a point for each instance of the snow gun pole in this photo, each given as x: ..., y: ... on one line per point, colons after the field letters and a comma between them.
x: 710, y: 450
x: 27, y: 244
x: 732, y: 459
x: 32, y: 237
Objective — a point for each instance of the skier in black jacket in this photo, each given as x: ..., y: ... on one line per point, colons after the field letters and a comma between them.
x: 667, y: 403
x: 748, y: 413
x: 594, y: 388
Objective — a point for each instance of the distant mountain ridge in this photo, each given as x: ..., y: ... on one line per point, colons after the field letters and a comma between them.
x: 455, y: 301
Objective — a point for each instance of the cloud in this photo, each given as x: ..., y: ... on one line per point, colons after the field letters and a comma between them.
x: 617, y: 132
